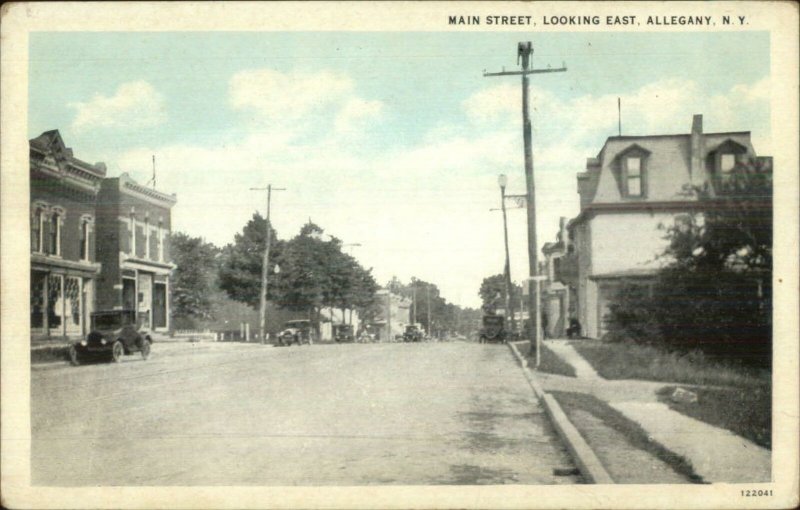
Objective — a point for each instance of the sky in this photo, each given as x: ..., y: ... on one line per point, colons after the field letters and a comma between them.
x: 392, y: 140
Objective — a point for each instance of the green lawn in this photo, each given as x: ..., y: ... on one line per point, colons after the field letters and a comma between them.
x: 736, y: 399
x: 550, y: 361
x: 631, y: 361
x: 633, y: 432
x: 744, y: 411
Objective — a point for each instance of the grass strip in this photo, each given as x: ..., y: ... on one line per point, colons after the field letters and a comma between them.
x: 633, y: 432
x: 50, y: 353
x: 632, y: 361
x: 744, y: 411
x: 552, y: 363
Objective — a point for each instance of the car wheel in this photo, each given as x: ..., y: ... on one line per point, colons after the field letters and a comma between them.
x: 117, y: 351
x: 145, y: 349
x: 74, y: 360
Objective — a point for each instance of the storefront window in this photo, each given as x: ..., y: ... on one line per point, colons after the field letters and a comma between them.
x: 55, y: 305
x: 72, y: 295
x: 37, y: 299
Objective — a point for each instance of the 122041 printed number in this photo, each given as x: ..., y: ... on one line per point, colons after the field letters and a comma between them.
x: 748, y: 493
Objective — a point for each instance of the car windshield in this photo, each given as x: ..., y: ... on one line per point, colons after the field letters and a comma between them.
x: 108, y: 321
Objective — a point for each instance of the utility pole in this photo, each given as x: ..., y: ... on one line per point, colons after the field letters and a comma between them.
x: 262, y: 316
x: 414, y: 304
x: 503, y: 181
x: 428, y: 296
x: 524, y: 54
x: 388, y: 315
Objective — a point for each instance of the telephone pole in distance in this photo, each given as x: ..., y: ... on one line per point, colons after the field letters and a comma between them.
x: 262, y: 316
x: 524, y: 57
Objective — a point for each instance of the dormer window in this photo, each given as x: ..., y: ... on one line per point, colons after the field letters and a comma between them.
x: 727, y: 162
x: 630, y: 171
x: 633, y: 176
x: 721, y: 163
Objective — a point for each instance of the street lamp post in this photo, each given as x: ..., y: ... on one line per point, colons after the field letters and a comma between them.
x: 502, y: 180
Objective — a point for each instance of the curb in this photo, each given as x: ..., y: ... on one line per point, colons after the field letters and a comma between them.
x: 589, y: 465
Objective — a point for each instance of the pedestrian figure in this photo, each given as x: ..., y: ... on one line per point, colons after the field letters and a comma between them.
x: 574, y: 329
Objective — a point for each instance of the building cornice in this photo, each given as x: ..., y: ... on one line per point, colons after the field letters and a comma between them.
x: 134, y: 189
x: 72, y: 177
x: 128, y: 262
x: 41, y: 261
x: 637, y: 206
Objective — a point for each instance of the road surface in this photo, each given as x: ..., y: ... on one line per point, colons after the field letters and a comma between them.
x: 243, y: 414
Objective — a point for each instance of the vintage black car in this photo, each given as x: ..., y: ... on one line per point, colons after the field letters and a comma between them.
x: 412, y: 334
x: 296, y: 332
x: 114, y: 333
x: 493, y: 330
x: 343, y: 333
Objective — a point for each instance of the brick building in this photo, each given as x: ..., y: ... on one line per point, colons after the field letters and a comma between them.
x: 64, y: 268
x: 634, y: 187
x: 97, y: 243
x: 133, y: 225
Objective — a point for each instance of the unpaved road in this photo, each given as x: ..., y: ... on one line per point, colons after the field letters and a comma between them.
x: 238, y: 414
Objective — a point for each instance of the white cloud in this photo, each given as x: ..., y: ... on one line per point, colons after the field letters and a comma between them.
x: 134, y: 105
x: 356, y: 114
x: 299, y: 106
x: 421, y: 210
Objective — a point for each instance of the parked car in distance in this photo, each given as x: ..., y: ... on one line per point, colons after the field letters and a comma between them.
x: 343, y: 333
x: 412, y: 334
x: 296, y: 332
x: 493, y: 329
x: 113, y: 334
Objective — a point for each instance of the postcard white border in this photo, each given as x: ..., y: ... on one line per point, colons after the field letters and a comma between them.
x: 20, y: 19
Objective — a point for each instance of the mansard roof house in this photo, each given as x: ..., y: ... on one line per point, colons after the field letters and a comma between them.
x: 634, y: 185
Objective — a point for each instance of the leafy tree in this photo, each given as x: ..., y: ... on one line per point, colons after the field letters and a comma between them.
x: 315, y: 273
x: 194, y: 279
x: 493, y: 292
x: 242, y: 261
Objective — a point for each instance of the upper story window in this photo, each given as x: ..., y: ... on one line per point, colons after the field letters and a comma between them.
x: 722, y: 162
x: 146, y: 238
x: 54, y: 233
x: 132, y: 233
x: 37, y: 230
x: 631, y: 172
x: 727, y: 162
x: 86, y: 223
x: 160, y: 241
x: 633, y: 176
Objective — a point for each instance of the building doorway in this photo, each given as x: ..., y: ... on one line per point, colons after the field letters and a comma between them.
x: 128, y: 294
x: 159, y: 305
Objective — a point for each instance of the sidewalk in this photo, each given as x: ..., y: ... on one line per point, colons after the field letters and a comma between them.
x: 717, y: 455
